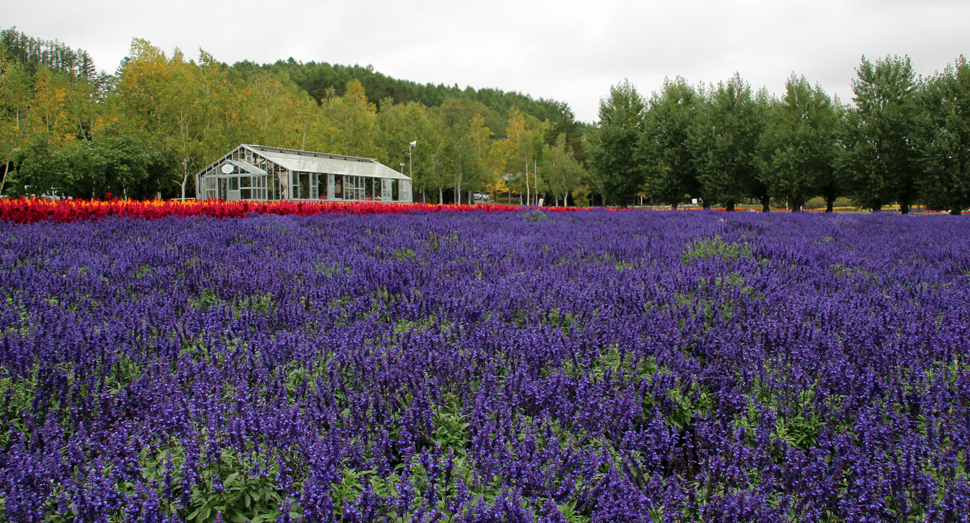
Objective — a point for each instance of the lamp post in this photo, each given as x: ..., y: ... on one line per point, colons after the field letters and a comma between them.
x: 410, y: 162
x: 402, y: 167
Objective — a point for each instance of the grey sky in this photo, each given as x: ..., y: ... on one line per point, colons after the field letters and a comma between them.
x: 568, y: 51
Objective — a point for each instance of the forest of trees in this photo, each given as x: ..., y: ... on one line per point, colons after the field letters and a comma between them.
x: 905, y: 140
x: 66, y: 130
x: 149, y: 127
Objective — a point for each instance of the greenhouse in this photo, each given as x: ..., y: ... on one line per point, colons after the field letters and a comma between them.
x: 259, y: 173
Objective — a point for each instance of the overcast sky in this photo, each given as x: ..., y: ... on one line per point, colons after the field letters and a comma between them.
x: 567, y: 51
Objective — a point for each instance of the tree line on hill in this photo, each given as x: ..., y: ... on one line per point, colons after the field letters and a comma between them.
x: 905, y: 141
x: 316, y: 78
x: 34, y: 52
x: 149, y: 127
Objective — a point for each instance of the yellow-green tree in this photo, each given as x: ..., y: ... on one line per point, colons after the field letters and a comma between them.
x: 400, y: 125
x: 50, y: 113
x: 270, y: 107
x: 137, y: 100
x: 16, y: 97
x: 353, y: 128
x: 560, y: 170
x: 523, y: 143
x: 184, y: 123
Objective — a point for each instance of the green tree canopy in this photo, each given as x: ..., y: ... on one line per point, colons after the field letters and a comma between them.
x: 663, y: 150
x: 723, y: 142
x: 944, y: 138
x: 878, y: 160
x: 799, y: 143
x: 616, y: 171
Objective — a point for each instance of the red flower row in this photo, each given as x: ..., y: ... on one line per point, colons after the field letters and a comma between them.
x: 30, y: 210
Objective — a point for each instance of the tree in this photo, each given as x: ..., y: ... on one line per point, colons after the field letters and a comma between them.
x: 132, y: 164
x: 944, y: 138
x: 353, y: 122
x: 663, y: 150
x: 723, y: 142
x: 138, y: 100
x: 16, y: 97
x: 798, y: 145
x: 186, y: 96
x: 616, y: 172
x: 51, y: 113
x: 560, y: 170
x: 878, y: 160
x: 523, y: 140
x: 465, y: 154
x: 567, y: 125
x: 477, y: 174
x: 41, y: 171
x: 399, y: 125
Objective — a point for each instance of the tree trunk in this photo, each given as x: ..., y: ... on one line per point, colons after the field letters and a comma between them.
x: 729, y: 207
x: 441, y: 196
x: 828, y: 192
x: 765, y: 204
x: 535, y: 175
x: 528, y: 194
x: 6, y: 169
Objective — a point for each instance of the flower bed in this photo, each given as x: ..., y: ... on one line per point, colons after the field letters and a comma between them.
x: 31, y: 210
x: 509, y: 366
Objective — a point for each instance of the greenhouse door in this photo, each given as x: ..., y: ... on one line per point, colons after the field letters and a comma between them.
x: 232, y: 194
x: 387, y: 190
x: 314, y: 186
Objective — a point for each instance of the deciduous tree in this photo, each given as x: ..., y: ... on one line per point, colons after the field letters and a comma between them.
x: 798, y: 145
x: 878, y: 160
x: 16, y: 96
x: 663, y: 151
x: 560, y: 170
x: 723, y: 142
x: 616, y: 171
x: 944, y: 139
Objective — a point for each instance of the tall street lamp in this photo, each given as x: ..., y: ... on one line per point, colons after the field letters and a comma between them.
x: 410, y: 163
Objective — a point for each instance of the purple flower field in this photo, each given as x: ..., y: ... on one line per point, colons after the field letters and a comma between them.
x: 598, y: 366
